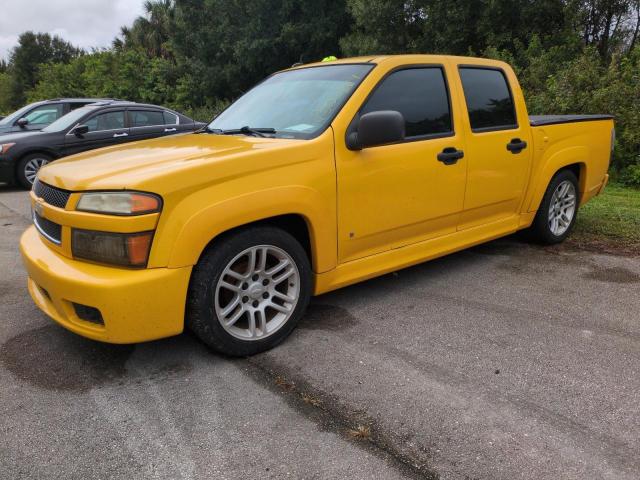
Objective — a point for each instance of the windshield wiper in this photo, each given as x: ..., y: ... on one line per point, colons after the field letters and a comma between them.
x: 258, y: 132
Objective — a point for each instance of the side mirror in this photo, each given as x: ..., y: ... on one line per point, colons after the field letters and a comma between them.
x: 377, y: 128
x: 81, y: 130
x: 22, y: 122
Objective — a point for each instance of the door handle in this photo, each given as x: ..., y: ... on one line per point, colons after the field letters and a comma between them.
x: 516, y: 145
x: 117, y: 135
x: 450, y: 155
x: 167, y: 130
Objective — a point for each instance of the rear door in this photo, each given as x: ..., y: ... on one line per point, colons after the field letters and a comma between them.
x: 175, y: 123
x: 105, y: 128
x: 498, y: 147
x: 146, y: 123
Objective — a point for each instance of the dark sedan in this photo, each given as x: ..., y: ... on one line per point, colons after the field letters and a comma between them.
x: 93, y: 126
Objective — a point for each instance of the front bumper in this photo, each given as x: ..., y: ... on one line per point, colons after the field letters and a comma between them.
x: 136, y: 305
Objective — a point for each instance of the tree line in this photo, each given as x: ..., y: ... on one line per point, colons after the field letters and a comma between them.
x: 572, y: 56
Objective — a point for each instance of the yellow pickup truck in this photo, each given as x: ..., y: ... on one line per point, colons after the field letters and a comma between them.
x: 321, y: 176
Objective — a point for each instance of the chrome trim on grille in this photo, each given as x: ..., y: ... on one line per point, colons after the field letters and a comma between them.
x: 42, y: 231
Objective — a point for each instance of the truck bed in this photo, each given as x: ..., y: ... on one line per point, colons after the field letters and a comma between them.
x: 541, y: 120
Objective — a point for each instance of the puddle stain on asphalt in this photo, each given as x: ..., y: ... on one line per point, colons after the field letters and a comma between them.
x: 613, y: 275
x: 539, y: 263
x: 54, y: 359
x: 321, y: 316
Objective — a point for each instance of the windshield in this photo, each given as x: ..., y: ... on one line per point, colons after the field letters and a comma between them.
x: 9, y: 119
x: 297, y: 103
x: 68, y: 120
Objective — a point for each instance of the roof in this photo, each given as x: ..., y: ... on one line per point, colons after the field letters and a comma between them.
x: 409, y: 57
x: 79, y: 99
x: 124, y: 103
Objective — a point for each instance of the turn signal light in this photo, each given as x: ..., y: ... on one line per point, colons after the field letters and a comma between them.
x: 125, y: 249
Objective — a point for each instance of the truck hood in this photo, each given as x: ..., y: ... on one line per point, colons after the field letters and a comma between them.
x: 138, y: 165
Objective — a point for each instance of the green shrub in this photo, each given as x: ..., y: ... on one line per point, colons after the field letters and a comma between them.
x: 630, y: 176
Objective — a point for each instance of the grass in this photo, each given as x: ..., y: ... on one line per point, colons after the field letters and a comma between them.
x: 610, y: 222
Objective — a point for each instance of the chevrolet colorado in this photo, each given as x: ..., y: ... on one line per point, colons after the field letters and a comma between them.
x: 321, y: 176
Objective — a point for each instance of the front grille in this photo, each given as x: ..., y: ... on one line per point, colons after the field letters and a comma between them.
x: 51, y: 231
x: 51, y: 195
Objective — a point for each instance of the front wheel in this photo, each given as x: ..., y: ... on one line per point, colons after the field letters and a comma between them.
x: 249, y: 290
x: 28, y: 168
x: 558, y: 210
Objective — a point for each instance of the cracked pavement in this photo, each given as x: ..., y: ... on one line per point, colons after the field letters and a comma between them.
x: 505, y: 361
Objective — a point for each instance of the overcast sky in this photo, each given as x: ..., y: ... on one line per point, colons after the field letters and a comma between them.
x: 84, y: 23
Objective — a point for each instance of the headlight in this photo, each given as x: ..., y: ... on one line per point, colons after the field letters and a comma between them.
x: 119, y: 203
x: 126, y: 249
x: 4, y: 147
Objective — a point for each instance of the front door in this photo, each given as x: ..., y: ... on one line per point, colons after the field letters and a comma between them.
x: 105, y: 128
x: 499, y: 149
x: 394, y: 195
x: 41, y: 116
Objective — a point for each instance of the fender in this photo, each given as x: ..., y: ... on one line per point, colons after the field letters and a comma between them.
x: 550, y: 166
x: 48, y: 151
x: 206, y: 224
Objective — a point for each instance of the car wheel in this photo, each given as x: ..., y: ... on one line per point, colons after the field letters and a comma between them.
x: 249, y: 290
x: 558, y: 210
x: 28, y: 168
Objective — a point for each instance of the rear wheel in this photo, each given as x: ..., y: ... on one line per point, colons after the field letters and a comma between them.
x: 249, y: 290
x: 28, y: 168
x: 557, y: 213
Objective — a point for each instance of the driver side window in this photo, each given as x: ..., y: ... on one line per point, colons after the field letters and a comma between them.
x: 44, y: 115
x: 106, y: 121
x: 420, y: 95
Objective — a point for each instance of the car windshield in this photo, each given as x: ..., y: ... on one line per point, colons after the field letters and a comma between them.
x: 9, y: 119
x: 296, y: 103
x: 68, y: 120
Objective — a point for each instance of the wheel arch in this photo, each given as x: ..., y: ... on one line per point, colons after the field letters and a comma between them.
x: 298, y: 210
x: 293, y: 223
x: 19, y: 158
x: 42, y: 150
x: 570, y: 159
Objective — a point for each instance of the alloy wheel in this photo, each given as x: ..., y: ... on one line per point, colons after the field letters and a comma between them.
x: 562, y: 208
x: 257, y: 292
x: 32, y: 167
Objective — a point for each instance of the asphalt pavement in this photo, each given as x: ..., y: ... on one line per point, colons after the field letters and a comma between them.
x: 506, y: 361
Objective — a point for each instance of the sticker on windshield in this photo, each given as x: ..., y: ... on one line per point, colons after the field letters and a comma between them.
x: 302, y: 127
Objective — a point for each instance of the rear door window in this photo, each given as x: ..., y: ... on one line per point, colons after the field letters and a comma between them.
x: 75, y: 105
x: 420, y: 95
x: 489, y: 100
x: 170, y: 118
x: 146, y: 118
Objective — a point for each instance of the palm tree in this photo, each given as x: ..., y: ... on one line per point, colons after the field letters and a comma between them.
x: 151, y: 31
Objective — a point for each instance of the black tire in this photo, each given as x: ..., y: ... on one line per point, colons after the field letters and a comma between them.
x: 201, y: 317
x: 540, y: 231
x: 22, y: 176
